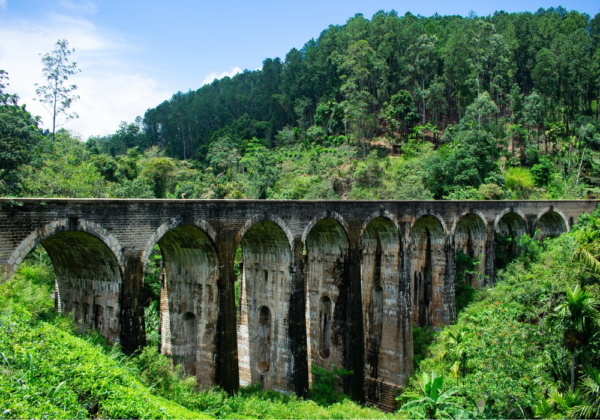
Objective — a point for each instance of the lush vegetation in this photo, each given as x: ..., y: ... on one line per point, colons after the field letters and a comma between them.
x: 442, y: 107
x: 529, y: 347
x: 51, y: 370
x: 496, y: 107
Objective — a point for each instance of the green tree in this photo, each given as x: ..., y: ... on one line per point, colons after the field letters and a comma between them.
x: 431, y: 402
x: 456, y: 349
x: 423, y: 63
x: 57, y: 97
x: 262, y: 169
x: 362, y: 76
x: 578, y: 319
x: 19, y: 132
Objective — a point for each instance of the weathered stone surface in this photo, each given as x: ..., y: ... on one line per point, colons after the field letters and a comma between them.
x: 324, y: 282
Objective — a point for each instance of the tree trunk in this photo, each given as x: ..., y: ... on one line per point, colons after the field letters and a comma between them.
x: 580, y: 165
x: 364, y: 147
x: 423, y: 93
x: 573, y: 371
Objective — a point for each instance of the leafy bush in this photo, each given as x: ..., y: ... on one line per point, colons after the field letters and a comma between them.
x: 325, y: 384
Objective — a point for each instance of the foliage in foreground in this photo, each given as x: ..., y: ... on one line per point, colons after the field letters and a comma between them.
x: 520, y: 348
x: 48, y: 370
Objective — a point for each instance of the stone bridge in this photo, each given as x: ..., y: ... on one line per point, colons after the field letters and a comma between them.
x: 322, y: 282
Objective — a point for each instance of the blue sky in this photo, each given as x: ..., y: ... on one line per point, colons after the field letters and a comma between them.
x: 135, y: 54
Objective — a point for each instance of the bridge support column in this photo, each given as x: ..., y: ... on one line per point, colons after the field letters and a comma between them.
x: 355, y: 346
x: 297, y: 322
x: 449, y: 294
x: 133, y: 328
x: 227, y: 349
x: 490, y: 260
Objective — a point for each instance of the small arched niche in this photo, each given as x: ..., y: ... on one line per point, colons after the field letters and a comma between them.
x: 190, y: 337
x: 189, y: 270
x: 326, y: 253
x: 510, y: 227
x: 550, y: 224
x: 264, y: 341
x: 427, y: 268
x: 325, y: 313
x: 470, y: 238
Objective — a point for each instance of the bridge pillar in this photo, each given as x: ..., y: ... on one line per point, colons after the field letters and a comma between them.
x: 355, y: 346
x: 133, y: 328
x: 297, y: 322
x: 227, y: 375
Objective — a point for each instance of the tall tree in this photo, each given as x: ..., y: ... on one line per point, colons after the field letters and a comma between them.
x: 57, y: 96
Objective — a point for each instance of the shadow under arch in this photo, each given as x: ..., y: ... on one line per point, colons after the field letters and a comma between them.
x: 509, y: 225
x: 550, y: 223
x: 88, y: 268
x: 428, y: 269
x: 327, y: 284
x: 383, y: 300
x: 189, y: 299
x: 265, y: 217
x: 264, y: 352
x: 469, y: 239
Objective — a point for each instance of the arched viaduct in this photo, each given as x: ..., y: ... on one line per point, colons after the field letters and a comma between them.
x: 323, y: 282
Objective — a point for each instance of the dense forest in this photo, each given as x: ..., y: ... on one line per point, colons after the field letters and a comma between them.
x: 444, y: 107
x: 395, y: 107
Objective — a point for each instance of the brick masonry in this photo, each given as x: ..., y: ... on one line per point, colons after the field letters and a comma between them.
x: 323, y: 282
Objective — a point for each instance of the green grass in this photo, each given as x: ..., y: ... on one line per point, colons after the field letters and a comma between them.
x: 48, y: 370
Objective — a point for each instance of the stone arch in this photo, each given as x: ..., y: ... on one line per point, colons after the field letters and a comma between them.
x: 467, y: 213
x: 324, y: 215
x: 469, y: 235
x: 266, y: 283
x: 511, y: 221
x: 385, y: 214
x: 88, y: 267
x: 550, y: 222
x: 426, y: 213
x: 428, y: 270
x: 383, y: 300
x: 171, y: 224
x: 265, y: 217
x: 509, y: 224
x: 326, y: 264
x: 190, y: 271
x: 64, y: 225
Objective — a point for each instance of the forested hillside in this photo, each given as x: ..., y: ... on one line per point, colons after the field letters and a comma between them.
x: 411, y: 107
x: 392, y: 73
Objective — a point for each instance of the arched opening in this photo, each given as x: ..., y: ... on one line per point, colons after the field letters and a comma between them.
x: 83, y: 274
x: 188, y: 270
x: 428, y: 268
x: 264, y: 300
x: 510, y: 227
x: 382, y: 294
x: 325, y: 312
x: 551, y: 224
x: 470, y: 238
x: 264, y: 340
x: 326, y: 273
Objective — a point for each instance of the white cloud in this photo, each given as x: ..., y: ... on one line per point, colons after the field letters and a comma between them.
x: 87, y: 7
x: 111, y: 90
x: 214, y: 75
x: 3, y: 5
